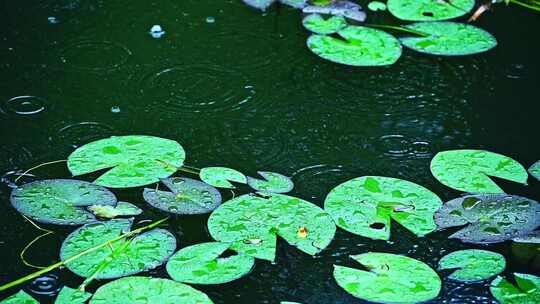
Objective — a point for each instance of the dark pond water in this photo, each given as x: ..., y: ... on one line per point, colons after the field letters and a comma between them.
x: 239, y: 88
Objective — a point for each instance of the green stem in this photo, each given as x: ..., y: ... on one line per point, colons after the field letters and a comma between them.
x: 398, y: 28
x: 75, y: 257
x: 535, y: 8
x: 39, y: 166
x: 184, y: 169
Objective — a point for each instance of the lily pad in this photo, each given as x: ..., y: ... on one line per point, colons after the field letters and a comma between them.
x: 187, y: 196
x: 429, y: 10
x: 534, y: 170
x: 469, y: 170
x: 489, y: 218
x: 473, y: 264
x: 264, y: 4
x: 389, y: 278
x: 318, y: 25
x: 449, y: 39
x: 60, y: 201
x: 360, y: 46
x: 72, y: 296
x: 527, y: 290
x: 274, y: 182
x: 365, y: 205
x: 201, y: 264
x: 346, y: 9
x: 377, y: 6
x: 121, y: 209
x: 123, y: 257
x: 252, y: 223
x: 220, y: 177
x: 133, y: 160
x: 20, y: 297
x: 133, y: 290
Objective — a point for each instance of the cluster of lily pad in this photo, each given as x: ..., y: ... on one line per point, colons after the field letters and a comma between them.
x: 339, y: 35
x: 106, y: 247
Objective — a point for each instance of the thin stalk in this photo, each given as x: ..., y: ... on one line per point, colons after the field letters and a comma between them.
x: 529, y: 6
x: 39, y: 166
x: 192, y: 168
x: 23, y: 252
x: 75, y: 257
x: 184, y: 169
x: 398, y: 28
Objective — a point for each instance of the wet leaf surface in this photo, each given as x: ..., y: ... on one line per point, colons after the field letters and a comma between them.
x: 72, y: 296
x: 273, y: 182
x: 121, y: 209
x: 469, y: 170
x: 489, y: 218
x: 134, y: 160
x: 389, y: 278
x: 346, y: 9
x: 429, y: 10
x: 534, y: 170
x: 366, y: 205
x: 253, y: 223
x: 20, y: 297
x: 220, y: 177
x: 186, y: 196
x: 60, y: 201
x: 473, y: 265
x: 526, y: 290
x: 123, y: 257
x: 202, y: 264
x: 318, y: 25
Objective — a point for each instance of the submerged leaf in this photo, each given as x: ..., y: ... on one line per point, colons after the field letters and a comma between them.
x: 473, y: 264
x: 121, y: 209
x: 134, y: 160
x: 489, y: 218
x: 252, y: 224
x: 220, y: 177
x: 469, y: 170
x: 133, y: 290
x: 429, y: 10
x: 201, y: 264
x: 20, y: 297
x: 534, y: 170
x: 187, y: 196
x: 449, y: 39
x: 360, y: 46
x: 391, y: 279
x: 274, y: 182
x: 365, y: 205
x: 72, y: 296
x: 318, y: 25
x: 527, y: 290
x: 346, y: 9
x: 60, y: 201
x: 123, y: 257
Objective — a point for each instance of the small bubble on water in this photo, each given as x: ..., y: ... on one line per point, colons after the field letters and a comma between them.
x: 115, y: 109
x: 157, y: 31
x: 210, y: 19
x: 53, y: 20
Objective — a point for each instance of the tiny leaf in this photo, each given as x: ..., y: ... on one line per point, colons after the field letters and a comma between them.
x: 318, y: 25
x: 274, y: 183
x: 220, y: 177
x: 121, y: 209
x: 473, y: 264
x: 534, y: 170
x: 346, y: 9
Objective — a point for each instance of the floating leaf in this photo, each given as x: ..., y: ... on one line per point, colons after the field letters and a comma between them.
x: 365, y: 205
x: 390, y: 278
x: 318, y: 25
x: 274, y: 182
x: 136, y: 160
x: 264, y: 4
x: 252, y: 223
x: 187, y: 196
x: 362, y: 46
x: 534, y: 170
x: 469, y: 170
x: 449, y: 39
x: 201, y: 264
x: 220, y: 177
x: 429, y: 10
x: 531, y: 238
x: 526, y: 292
x: 20, y: 297
x: 346, y: 9
x: 60, y: 201
x: 473, y: 264
x: 72, y: 296
x: 133, y: 290
x: 123, y: 257
x: 295, y: 3
x: 490, y: 218
x: 377, y: 6
x: 121, y: 209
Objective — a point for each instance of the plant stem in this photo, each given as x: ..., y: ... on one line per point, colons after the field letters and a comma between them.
x: 39, y: 166
x: 186, y: 169
x: 529, y: 6
x: 398, y: 28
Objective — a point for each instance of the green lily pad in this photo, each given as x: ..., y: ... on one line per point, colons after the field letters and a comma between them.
x: 534, y: 170
x: 527, y: 290
x: 348, y: 9
x: 20, y: 297
x: 489, y: 218
x: 449, y: 39
x: 318, y: 25
x: 252, y: 223
x: 377, y: 6
x: 389, y: 278
x: 123, y: 257
x: 264, y: 4
x: 187, y: 196
x: 134, y: 160
x: 72, y: 296
x: 121, y: 209
x: 136, y: 290
x: 274, y: 182
x: 429, y: 10
x: 201, y: 264
x: 360, y: 46
x: 220, y: 177
x: 365, y: 205
x: 60, y: 201
x: 469, y: 170
x: 473, y: 264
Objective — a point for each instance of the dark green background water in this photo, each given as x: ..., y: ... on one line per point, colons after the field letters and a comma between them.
x: 245, y: 92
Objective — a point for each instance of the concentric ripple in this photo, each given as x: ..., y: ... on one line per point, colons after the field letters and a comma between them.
x: 77, y: 134
x: 45, y: 285
x: 95, y: 56
x: 316, y: 181
x: 24, y: 105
